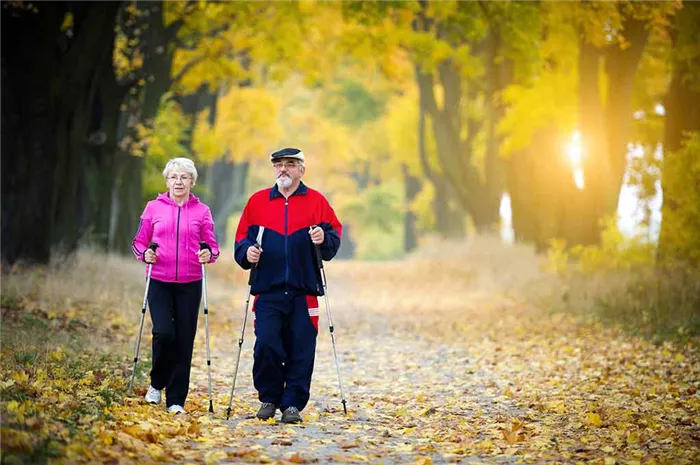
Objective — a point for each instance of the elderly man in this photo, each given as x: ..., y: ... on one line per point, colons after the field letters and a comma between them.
x: 277, y: 233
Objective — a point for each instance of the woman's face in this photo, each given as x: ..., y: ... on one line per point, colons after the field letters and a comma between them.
x: 179, y: 183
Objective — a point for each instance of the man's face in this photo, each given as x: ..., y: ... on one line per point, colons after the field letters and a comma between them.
x: 288, y: 172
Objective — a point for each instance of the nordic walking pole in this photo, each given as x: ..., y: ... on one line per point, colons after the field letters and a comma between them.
x: 319, y: 260
x: 153, y: 246
x: 204, y: 245
x: 251, y: 278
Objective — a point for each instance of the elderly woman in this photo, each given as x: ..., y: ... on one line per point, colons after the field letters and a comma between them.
x: 177, y: 222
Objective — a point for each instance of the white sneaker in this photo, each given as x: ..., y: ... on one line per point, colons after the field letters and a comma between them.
x: 153, y: 395
x: 176, y: 409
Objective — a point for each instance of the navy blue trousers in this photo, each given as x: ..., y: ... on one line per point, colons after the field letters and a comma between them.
x: 174, y: 309
x: 284, y: 351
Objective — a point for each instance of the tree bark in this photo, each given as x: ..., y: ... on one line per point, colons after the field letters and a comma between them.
x: 595, y: 164
x: 28, y: 140
x: 521, y: 185
x: 460, y: 190
x: 544, y: 199
x: 95, y: 25
x: 101, y: 156
x: 682, y: 106
x: 499, y: 74
x: 621, y: 66
x: 448, y: 222
x: 46, y: 91
x: 605, y: 130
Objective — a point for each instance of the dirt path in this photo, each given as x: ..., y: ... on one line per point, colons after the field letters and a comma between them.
x: 403, y: 390
x: 466, y: 376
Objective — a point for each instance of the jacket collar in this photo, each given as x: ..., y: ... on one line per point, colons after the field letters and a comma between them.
x: 165, y: 197
x: 275, y: 192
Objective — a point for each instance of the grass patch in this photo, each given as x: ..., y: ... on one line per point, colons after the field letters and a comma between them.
x: 620, y: 283
x: 660, y: 305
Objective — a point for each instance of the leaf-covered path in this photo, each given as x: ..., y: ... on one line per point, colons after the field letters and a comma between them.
x: 442, y: 362
x: 439, y: 366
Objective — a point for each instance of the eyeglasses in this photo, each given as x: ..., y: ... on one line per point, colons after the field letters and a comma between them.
x: 183, y: 178
x: 287, y: 164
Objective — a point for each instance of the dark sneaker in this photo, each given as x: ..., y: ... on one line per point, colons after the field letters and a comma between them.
x: 291, y: 415
x: 267, y: 411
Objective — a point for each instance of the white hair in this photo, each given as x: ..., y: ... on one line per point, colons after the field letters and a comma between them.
x: 180, y: 164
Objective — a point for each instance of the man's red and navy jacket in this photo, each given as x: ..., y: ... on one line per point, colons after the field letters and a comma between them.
x: 288, y: 260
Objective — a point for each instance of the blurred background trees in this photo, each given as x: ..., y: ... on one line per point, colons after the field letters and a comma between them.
x: 420, y: 119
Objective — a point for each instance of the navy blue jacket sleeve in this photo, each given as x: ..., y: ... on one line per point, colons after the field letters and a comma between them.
x: 332, y: 230
x: 243, y: 241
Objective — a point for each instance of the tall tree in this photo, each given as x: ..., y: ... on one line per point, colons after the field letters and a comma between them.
x: 611, y: 39
x: 613, y: 36
x: 48, y: 88
x: 680, y: 227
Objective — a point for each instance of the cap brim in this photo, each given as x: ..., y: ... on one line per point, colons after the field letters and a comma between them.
x: 298, y: 156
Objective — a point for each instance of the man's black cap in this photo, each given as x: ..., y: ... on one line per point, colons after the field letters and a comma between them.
x: 287, y: 153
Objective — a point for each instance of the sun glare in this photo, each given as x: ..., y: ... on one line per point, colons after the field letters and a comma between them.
x: 574, y: 150
x: 578, y: 178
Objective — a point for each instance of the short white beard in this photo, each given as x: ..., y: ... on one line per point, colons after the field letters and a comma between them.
x: 284, y: 182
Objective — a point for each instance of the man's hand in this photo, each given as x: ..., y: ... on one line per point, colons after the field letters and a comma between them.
x: 317, y: 235
x: 150, y: 256
x: 204, y: 255
x: 253, y: 254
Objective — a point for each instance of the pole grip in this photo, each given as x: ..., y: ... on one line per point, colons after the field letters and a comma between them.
x: 203, y: 245
x: 153, y: 246
x: 319, y: 261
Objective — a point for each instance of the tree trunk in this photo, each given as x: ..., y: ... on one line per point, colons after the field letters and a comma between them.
x: 594, y: 162
x: 680, y: 227
x: 460, y: 180
x: 158, y: 49
x: 621, y: 66
x: 44, y: 121
x: 411, y: 189
x: 605, y: 132
x: 456, y: 171
x: 96, y: 25
x: 498, y: 76
x: 521, y: 186
x: 127, y: 204
x: 447, y: 222
x: 28, y: 138
x: 544, y: 198
x: 101, y: 157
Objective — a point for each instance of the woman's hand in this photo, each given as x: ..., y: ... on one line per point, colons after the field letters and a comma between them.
x: 150, y: 256
x: 204, y: 255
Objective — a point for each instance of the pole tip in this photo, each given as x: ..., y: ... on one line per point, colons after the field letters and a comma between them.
x: 228, y: 413
x: 345, y: 408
